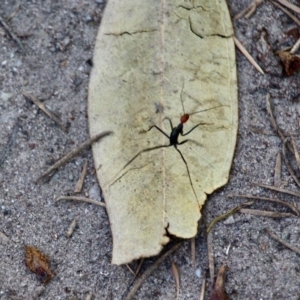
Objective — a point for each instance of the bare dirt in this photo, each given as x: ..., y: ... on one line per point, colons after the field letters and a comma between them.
x: 58, y: 39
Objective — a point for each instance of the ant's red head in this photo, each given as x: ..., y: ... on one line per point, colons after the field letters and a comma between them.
x: 184, y: 118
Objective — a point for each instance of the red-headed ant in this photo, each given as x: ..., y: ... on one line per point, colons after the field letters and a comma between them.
x: 173, y: 138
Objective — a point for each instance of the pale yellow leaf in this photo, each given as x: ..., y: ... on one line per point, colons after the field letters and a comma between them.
x: 145, y: 52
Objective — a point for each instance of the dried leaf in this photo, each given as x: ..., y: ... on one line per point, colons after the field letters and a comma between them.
x: 143, y: 67
x: 291, y: 62
x: 38, y: 263
x: 219, y: 289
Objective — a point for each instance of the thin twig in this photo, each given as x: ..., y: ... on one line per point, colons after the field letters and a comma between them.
x: 149, y: 271
x: 277, y: 189
x: 292, y: 207
x: 42, y: 106
x: 130, y: 270
x: 80, y: 181
x: 289, y: 5
x: 175, y: 273
x: 82, y: 199
x: 277, y: 172
x: 287, y: 12
x: 14, y: 12
x: 139, y: 267
x: 272, y: 119
x: 289, y: 167
x: 278, y: 239
x: 265, y: 213
x: 296, y: 153
x: 11, y: 33
x: 74, y: 152
x: 9, y: 144
x: 295, y: 47
x: 193, y: 251
x: 226, y: 215
x: 89, y: 296
x: 71, y: 228
x: 202, y: 292
x: 210, y: 254
x: 247, y: 55
x: 249, y: 10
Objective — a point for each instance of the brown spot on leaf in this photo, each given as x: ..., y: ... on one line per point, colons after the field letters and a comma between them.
x: 38, y: 263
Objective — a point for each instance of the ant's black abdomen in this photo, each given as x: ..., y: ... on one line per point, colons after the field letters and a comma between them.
x: 175, y: 133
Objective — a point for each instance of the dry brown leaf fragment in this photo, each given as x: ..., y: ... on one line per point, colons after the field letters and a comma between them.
x: 219, y: 289
x: 38, y: 263
x: 291, y: 62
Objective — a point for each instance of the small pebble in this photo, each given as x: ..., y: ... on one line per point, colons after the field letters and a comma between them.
x: 198, y: 273
x: 229, y: 220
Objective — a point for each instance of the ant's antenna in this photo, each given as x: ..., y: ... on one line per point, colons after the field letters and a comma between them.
x: 182, y: 98
x: 195, y: 112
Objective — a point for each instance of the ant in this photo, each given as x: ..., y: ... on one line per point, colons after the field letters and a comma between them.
x: 173, y: 137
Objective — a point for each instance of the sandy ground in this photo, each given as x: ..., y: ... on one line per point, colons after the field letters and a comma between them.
x: 58, y: 39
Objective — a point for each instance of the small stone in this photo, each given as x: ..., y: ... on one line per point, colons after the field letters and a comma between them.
x: 229, y: 220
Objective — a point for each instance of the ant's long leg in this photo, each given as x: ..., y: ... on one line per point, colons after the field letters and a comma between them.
x: 183, y: 134
x: 191, y: 141
x: 159, y: 130
x: 145, y: 150
x: 187, y: 167
x: 171, y: 124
